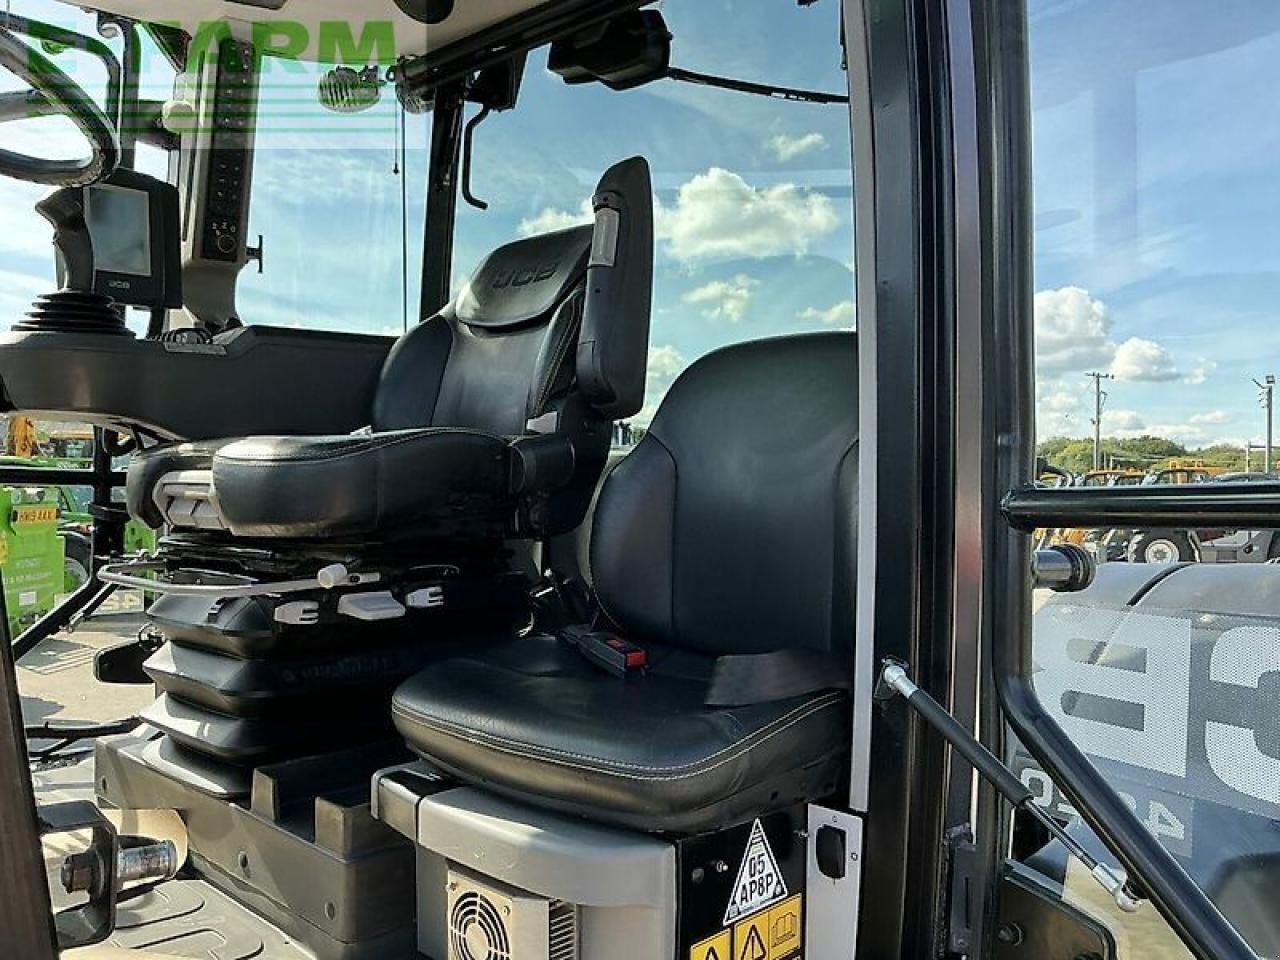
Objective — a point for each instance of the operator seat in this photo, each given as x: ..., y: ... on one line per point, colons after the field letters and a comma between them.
x: 723, y: 547
x: 491, y: 419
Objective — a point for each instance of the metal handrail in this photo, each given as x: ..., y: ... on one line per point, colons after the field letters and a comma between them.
x: 1239, y: 505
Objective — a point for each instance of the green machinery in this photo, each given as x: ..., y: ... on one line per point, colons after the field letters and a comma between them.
x: 31, y: 554
x: 46, y: 547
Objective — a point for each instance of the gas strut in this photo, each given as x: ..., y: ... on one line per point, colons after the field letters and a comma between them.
x: 894, y: 680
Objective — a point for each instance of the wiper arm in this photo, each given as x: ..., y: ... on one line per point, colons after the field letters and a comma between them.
x: 759, y: 89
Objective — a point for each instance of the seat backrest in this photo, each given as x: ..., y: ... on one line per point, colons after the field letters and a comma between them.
x: 542, y: 321
x: 482, y: 361
x: 731, y: 528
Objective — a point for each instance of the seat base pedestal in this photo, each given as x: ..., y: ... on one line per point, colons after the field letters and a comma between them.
x: 638, y: 895
x: 303, y: 836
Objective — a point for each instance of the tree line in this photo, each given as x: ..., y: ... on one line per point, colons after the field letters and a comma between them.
x: 1140, y: 453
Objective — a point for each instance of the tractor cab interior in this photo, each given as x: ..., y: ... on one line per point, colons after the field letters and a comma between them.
x: 545, y: 567
x: 375, y: 558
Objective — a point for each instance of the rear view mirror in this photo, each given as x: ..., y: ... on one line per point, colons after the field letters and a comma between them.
x: 497, y: 86
x: 625, y: 52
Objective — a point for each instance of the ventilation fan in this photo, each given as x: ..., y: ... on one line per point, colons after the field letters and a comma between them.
x: 489, y: 920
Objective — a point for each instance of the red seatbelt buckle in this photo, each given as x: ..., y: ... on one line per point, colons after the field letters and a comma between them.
x: 633, y: 657
x: 609, y: 651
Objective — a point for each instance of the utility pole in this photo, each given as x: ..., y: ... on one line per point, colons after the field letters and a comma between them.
x: 1266, y: 398
x: 1099, y: 398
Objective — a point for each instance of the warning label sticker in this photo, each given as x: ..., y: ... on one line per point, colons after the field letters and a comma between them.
x: 784, y: 928
x: 772, y: 934
x: 759, y: 882
x: 749, y: 938
x: 719, y: 947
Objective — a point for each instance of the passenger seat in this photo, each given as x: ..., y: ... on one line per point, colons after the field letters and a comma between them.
x: 722, y: 548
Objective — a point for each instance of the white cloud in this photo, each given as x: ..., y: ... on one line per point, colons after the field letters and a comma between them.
x: 718, y: 215
x: 1213, y: 417
x: 1060, y: 402
x: 1144, y: 361
x: 724, y: 299
x: 1073, y: 331
x: 1120, y: 422
x: 1060, y: 407
x: 551, y: 219
x: 664, y: 365
x: 786, y: 148
x: 841, y: 315
x: 1201, y: 372
x: 1191, y: 434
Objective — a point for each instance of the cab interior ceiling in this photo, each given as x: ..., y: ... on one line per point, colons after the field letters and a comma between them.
x: 421, y: 26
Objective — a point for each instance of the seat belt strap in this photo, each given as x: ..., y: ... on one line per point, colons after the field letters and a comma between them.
x: 740, y: 680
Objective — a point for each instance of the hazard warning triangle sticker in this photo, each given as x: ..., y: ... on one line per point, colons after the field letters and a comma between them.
x: 759, y: 882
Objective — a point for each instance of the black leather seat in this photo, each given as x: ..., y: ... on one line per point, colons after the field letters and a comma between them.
x: 491, y: 418
x: 729, y: 530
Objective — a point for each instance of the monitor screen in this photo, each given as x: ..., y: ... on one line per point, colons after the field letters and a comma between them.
x: 119, y: 222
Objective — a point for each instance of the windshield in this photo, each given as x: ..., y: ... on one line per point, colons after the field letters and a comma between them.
x: 26, y: 250
x: 338, y: 200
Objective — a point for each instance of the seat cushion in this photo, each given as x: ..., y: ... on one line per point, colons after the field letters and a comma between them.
x: 402, y: 482
x: 534, y: 719
x: 149, y: 465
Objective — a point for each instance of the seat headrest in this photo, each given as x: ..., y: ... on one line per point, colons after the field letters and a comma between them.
x: 524, y: 281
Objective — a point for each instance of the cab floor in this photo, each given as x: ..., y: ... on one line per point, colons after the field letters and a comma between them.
x: 185, y: 918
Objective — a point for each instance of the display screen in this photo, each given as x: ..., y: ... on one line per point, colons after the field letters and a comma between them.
x: 119, y: 221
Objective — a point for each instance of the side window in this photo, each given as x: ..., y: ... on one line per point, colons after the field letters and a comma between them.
x: 342, y: 243
x: 1156, y: 263
x: 26, y: 251
x: 752, y: 194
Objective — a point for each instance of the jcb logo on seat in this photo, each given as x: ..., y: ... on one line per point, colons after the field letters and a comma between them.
x: 524, y: 276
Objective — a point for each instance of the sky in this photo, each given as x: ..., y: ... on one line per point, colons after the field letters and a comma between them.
x: 1154, y: 137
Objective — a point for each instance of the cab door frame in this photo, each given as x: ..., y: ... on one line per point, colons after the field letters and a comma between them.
x: 1014, y: 507
x: 903, y: 781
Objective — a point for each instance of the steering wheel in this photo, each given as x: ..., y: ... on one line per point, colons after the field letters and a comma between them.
x: 66, y: 97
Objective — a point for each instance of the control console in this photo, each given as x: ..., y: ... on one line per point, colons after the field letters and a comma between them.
x: 228, y: 171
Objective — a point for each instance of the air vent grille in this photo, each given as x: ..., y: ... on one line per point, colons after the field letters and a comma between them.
x: 490, y: 920
x: 477, y: 930
x: 563, y: 929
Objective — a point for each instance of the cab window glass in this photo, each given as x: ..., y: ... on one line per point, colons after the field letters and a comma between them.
x: 752, y: 195
x: 1156, y: 271
x: 342, y: 242
x: 26, y: 251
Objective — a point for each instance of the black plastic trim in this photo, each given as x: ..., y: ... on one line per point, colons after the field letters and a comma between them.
x: 26, y: 916
x: 910, y: 332
x: 504, y: 40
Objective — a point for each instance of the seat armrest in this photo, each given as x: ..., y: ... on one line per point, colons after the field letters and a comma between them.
x: 541, y: 463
